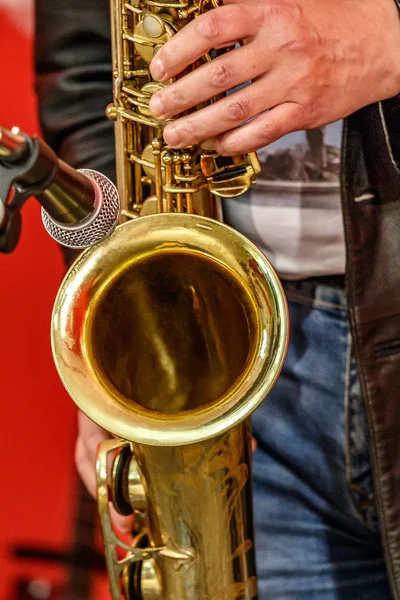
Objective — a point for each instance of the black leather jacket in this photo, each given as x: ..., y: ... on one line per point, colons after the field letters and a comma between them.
x: 74, y: 86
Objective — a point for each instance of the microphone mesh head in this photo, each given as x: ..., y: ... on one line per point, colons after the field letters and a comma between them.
x: 94, y: 228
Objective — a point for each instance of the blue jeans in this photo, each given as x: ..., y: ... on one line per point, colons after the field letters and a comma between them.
x: 317, y: 532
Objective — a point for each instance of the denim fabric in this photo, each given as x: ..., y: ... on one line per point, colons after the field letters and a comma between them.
x: 317, y: 532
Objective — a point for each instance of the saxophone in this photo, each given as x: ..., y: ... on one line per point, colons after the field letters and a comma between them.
x: 169, y: 334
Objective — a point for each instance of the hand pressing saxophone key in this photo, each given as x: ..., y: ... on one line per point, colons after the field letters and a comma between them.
x: 309, y: 64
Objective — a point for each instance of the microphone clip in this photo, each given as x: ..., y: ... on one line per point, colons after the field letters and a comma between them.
x: 20, y: 156
x: 79, y: 207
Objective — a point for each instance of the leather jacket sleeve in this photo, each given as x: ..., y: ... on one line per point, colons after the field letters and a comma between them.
x: 74, y: 81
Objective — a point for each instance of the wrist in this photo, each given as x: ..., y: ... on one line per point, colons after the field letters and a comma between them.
x: 386, y: 50
x: 395, y: 59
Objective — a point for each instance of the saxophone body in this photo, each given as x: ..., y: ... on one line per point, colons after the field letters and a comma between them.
x: 169, y: 334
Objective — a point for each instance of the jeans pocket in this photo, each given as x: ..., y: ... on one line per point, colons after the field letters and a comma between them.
x: 358, y: 458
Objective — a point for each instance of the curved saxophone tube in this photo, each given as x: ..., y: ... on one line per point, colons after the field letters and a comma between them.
x: 169, y: 334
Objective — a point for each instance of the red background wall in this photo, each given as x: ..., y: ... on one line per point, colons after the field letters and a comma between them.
x: 37, y: 476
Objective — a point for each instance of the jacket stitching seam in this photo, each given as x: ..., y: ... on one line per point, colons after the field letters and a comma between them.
x: 346, y: 407
x: 347, y: 394
x: 387, y: 138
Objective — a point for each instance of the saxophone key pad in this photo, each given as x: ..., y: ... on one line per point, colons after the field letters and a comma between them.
x: 150, y: 33
x: 153, y: 26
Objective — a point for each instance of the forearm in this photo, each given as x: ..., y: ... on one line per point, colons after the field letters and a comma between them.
x: 73, y: 81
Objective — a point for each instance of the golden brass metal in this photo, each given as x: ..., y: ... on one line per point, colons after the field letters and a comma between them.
x: 139, y: 29
x: 169, y: 334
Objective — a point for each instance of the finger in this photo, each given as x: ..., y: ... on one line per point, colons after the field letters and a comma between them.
x: 91, y: 435
x: 85, y: 467
x: 87, y: 472
x: 123, y: 524
x: 262, y: 130
x: 211, y: 79
x: 222, y: 116
x: 213, y: 29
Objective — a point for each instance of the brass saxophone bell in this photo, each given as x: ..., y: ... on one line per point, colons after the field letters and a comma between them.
x: 169, y: 334
x: 170, y: 331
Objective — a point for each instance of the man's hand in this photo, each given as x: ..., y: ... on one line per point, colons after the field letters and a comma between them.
x: 312, y: 62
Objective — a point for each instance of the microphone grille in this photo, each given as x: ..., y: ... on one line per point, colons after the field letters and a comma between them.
x: 99, y: 225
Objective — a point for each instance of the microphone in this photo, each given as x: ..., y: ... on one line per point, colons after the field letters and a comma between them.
x: 79, y: 207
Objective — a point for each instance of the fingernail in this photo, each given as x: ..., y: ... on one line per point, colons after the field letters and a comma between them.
x: 171, y: 136
x: 157, y: 69
x: 157, y: 105
x: 207, y: 144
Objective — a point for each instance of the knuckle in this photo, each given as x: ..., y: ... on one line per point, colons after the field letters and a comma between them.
x: 169, y: 53
x: 295, y: 41
x: 229, y: 147
x: 221, y: 75
x: 208, y: 26
x: 185, y: 131
x: 270, y: 131
x: 305, y: 76
x: 307, y: 100
x: 173, y: 98
x: 188, y: 129
x: 238, y: 110
x: 305, y: 115
x: 283, y: 13
x: 272, y: 9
